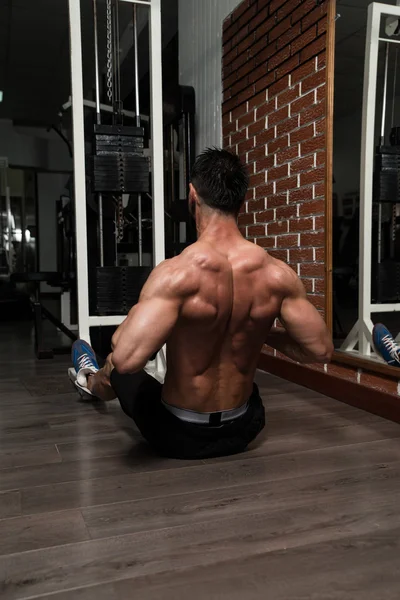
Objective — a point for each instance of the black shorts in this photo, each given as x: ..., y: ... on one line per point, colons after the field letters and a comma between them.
x: 140, y: 396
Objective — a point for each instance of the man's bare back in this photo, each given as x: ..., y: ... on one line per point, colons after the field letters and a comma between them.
x: 214, y: 307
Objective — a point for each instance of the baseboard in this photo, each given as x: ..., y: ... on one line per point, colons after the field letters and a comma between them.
x: 369, y: 399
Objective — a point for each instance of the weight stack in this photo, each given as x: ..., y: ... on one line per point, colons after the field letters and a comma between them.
x: 386, y: 280
x: 119, y: 164
x: 119, y: 288
x: 387, y: 174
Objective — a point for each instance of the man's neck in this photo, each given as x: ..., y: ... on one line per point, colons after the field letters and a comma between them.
x: 214, y: 224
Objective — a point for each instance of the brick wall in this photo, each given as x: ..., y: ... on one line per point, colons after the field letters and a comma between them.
x: 274, y: 88
x: 274, y: 117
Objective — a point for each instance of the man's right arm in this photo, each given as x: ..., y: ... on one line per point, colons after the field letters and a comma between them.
x: 304, y: 337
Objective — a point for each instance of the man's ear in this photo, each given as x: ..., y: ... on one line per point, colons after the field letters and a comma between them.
x: 192, y: 200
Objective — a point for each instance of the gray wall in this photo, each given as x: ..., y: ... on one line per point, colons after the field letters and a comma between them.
x: 200, y: 58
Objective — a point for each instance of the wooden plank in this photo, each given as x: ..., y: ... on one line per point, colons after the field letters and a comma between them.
x: 41, y: 531
x: 25, y: 457
x: 10, y: 504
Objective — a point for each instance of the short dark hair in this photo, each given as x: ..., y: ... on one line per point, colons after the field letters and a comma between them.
x: 220, y: 179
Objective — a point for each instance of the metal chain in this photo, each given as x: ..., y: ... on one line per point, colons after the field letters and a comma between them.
x: 109, y: 53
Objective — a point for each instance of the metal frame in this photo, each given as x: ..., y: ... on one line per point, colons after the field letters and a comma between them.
x: 85, y: 320
x: 361, y: 333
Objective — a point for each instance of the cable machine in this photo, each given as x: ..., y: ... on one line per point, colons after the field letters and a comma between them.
x: 118, y: 168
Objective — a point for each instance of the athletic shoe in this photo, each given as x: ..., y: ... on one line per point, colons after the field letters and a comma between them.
x: 85, y: 364
x: 385, y: 345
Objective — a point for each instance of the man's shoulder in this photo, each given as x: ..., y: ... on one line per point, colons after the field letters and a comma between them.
x: 175, y: 276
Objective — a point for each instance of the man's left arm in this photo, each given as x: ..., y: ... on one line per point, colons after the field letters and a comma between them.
x: 150, y: 322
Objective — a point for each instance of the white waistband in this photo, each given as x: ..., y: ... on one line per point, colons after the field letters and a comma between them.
x: 204, y: 418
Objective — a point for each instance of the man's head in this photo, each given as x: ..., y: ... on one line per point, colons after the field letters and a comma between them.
x: 218, y: 180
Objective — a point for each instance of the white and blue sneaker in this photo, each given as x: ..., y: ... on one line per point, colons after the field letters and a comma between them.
x: 386, y: 345
x: 85, y: 364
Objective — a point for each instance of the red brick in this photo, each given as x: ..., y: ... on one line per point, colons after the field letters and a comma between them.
x: 317, y: 301
x: 248, y: 15
x: 264, y: 28
x: 257, y: 100
x: 289, y: 35
x: 278, y: 144
x: 320, y: 190
x: 287, y: 241
x: 312, y: 176
x: 279, y: 58
x: 256, y: 230
x: 230, y: 80
x: 265, y: 54
x: 278, y: 172
x: 264, y: 190
x: 243, y: 71
x: 266, y: 242
x: 278, y: 116
x: 313, y: 145
x: 301, y: 195
x: 312, y: 17
x: 246, y: 120
x: 303, y: 102
x: 239, y: 86
x: 319, y: 223
x: 242, y: 230
x: 227, y: 23
x: 277, y: 200
x: 313, y: 207
x: 322, y: 26
x: 266, y: 136
x: 249, y: 195
x: 265, y: 216
x: 287, y: 154
x: 238, y: 136
x: 246, y: 219
x: 258, y: 46
x: 287, y: 8
x: 321, y: 158
x: 320, y: 254
x: 245, y: 94
x: 266, y: 108
x: 308, y: 285
x: 313, y: 49
x: 322, y: 60
x: 342, y: 371
x: 258, y: 73
x: 238, y: 112
x: 228, y: 106
x: 287, y: 126
x: 312, y: 239
x: 226, y: 142
x: 264, y: 82
x: 229, y: 57
x: 321, y: 93
x: 277, y: 228
x: 260, y: 17
x: 286, y: 212
x: 302, y: 134
x: 238, y: 12
x: 241, y: 34
x: 257, y: 204
x: 226, y: 71
x: 265, y: 163
x: 379, y: 382
x: 298, y: 225
x: 312, y: 270
x: 257, y: 154
x: 245, y: 146
x: 256, y: 180
x: 279, y: 254
x: 304, y: 70
x: 319, y: 286
x: 287, y: 66
x: 313, y: 81
x: 227, y: 94
x: 302, y: 164
x: 256, y: 127
x: 286, y: 184
x: 320, y: 126
x: 303, y: 40
x: 299, y: 13
x: 278, y: 87
x: 288, y: 96
x: 279, y: 29
x: 300, y: 255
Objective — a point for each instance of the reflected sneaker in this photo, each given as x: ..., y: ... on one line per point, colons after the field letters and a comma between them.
x: 385, y: 345
x: 85, y: 364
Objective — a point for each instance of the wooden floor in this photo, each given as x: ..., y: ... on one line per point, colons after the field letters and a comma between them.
x: 89, y: 513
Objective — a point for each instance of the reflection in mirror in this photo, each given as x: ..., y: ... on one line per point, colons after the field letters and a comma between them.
x: 366, y: 187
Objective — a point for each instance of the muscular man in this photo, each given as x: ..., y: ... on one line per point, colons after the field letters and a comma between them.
x: 214, y: 307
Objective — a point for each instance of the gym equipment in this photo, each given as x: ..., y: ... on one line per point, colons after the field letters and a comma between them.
x: 119, y: 168
x: 359, y: 339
